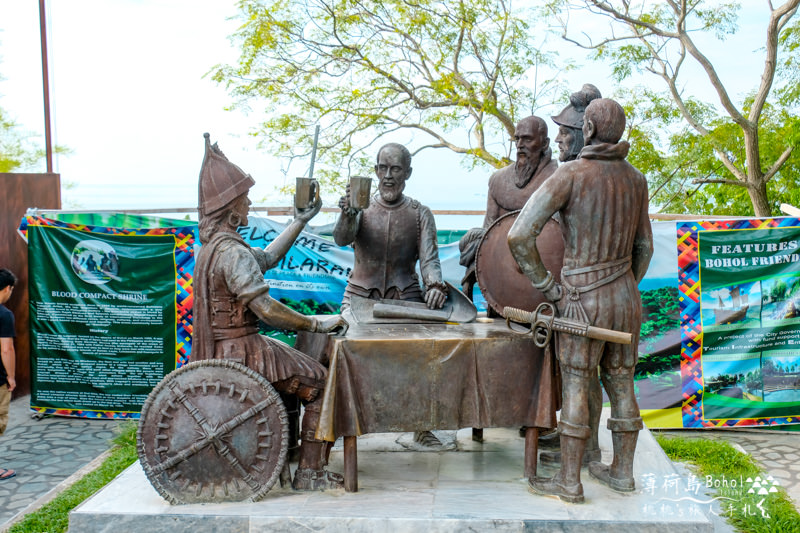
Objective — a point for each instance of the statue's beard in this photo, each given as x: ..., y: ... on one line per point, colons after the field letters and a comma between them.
x: 391, y: 195
x: 523, y: 172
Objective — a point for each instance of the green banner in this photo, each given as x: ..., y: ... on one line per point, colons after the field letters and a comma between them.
x: 747, y: 255
x: 102, y: 315
x: 750, y: 318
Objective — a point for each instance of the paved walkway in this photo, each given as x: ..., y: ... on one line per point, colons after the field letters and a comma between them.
x: 47, y: 452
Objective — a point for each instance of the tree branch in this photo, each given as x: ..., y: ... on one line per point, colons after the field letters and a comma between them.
x: 776, y: 166
x: 722, y: 181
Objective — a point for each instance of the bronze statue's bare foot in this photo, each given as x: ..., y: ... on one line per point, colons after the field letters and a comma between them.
x: 427, y: 439
x: 308, y: 479
x: 551, y: 457
x: 554, y: 487
x: 602, y: 473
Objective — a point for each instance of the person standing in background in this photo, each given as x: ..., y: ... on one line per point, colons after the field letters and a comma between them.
x: 7, y: 356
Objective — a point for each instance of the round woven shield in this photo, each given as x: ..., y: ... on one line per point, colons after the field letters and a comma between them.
x: 213, y: 431
x: 500, y: 279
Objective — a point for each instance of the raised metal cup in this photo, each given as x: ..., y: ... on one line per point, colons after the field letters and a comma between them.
x: 360, y: 189
x: 306, y: 193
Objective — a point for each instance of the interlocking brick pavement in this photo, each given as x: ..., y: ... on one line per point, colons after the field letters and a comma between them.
x: 45, y: 453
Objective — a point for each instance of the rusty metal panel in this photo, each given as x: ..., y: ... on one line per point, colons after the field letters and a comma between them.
x: 20, y: 192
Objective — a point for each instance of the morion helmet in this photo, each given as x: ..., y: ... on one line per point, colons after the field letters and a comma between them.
x: 221, y: 181
x: 572, y: 115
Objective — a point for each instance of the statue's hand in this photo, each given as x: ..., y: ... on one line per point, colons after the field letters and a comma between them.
x: 434, y: 298
x: 307, y: 213
x: 344, y: 203
x: 554, y: 293
x: 333, y: 324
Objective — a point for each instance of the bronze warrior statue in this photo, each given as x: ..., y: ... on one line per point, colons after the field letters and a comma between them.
x: 602, y: 201
x: 510, y: 187
x: 570, y: 142
x: 570, y: 122
x: 231, y: 295
x: 388, y: 238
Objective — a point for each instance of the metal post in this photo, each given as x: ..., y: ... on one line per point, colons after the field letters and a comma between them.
x: 314, y: 152
x: 46, y: 83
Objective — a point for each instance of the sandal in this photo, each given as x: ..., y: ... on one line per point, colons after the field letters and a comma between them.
x: 427, y: 439
x: 5, y: 473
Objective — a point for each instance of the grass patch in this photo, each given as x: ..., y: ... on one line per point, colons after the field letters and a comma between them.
x: 721, y: 461
x: 53, y: 517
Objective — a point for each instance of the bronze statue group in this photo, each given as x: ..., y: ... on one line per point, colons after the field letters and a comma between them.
x: 600, y: 202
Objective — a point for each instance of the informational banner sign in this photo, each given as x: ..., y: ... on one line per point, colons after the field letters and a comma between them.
x: 108, y: 314
x: 719, y: 344
x: 740, y: 309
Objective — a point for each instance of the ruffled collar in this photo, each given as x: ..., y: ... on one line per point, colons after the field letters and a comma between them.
x: 605, y: 151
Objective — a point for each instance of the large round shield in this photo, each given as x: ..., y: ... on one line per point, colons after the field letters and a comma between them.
x: 500, y: 279
x: 213, y: 431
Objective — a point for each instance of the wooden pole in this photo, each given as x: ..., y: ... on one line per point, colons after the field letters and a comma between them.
x: 46, y: 83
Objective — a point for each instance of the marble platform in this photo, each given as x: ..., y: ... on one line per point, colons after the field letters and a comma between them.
x: 470, y: 487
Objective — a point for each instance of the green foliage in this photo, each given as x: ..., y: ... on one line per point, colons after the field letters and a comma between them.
x: 17, y: 150
x: 699, y: 156
x: 720, y: 460
x: 672, y: 155
x: 661, y: 312
x: 779, y: 290
x: 53, y: 517
x: 364, y: 69
x: 309, y: 306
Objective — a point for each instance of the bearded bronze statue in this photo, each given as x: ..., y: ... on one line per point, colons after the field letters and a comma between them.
x: 510, y: 187
x: 570, y: 142
x: 388, y: 238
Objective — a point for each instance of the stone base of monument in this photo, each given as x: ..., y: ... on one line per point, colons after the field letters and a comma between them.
x: 470, y: 486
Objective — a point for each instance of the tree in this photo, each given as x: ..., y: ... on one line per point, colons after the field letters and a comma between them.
x: 752, y: 142
x: 779, y: 289
x: 364, y: 69
x: 17, y: 153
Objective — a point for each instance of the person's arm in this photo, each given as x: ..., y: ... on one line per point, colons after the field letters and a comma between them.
x: 246, y: 282
x: 280, y: 316
x: 492, y: 207
x: 281, y: 244
x: 547, y: 200
x: 346, y: 228
x: 642, y: 242
x: 429, y: 264
x: 9, y: 360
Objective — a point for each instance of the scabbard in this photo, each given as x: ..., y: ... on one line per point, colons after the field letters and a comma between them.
x: 565, y: 325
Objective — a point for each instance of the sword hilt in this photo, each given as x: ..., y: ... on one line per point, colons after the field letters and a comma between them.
x: 541, y: 321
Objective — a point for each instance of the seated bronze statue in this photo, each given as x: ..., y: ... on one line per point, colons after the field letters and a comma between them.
x: 231, y: 295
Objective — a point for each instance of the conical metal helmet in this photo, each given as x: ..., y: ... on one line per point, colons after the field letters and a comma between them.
x: 221, y: 181
x: 572, y: 115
